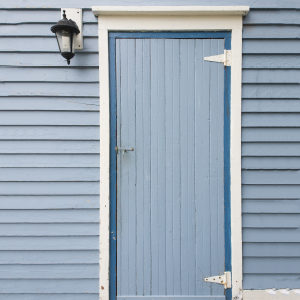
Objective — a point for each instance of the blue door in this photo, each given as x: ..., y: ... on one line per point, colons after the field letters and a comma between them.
x: 170, y: 181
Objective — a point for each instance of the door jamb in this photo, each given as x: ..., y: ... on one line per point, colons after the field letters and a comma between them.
x: 171, y: 18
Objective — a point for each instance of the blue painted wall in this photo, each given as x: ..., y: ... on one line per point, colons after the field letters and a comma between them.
x: 270, y: 143
x: 49, y: 160
x: 49, y: 142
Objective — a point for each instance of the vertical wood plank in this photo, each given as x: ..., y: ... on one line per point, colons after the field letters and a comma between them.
x: 124, y: 175
x: 197, y: 127
x: 139, y: 168
x: 154, y: 168
x: 161, y: 166
x: 191, y: 167
x: 213, y: 172
x: 184, y: 251
x: 169, y: 165
x: 205, y: 168
x: 216, y: 163
x: 201, y: 164
x: 147, y: 164
x: 176, y: 168
x: 129, y: 159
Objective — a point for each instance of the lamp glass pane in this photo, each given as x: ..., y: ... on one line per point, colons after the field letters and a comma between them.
x: 64, y: 40
x: 73, y: 42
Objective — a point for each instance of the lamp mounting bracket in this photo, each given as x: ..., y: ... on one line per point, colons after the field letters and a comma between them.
x: 75, y: 14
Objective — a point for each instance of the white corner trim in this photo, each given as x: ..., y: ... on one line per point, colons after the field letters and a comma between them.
x: 170, y: 10
x: 235, y: 164
x: 120, y: 18
x: 104, y: 165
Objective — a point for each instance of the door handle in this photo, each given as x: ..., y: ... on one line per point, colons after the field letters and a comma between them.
x: 117, y: 149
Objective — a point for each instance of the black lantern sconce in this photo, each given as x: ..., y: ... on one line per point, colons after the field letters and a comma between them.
x: 66, y: 32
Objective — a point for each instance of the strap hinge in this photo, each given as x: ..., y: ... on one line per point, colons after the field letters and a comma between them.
x: 221, y: 279
x: 224, y: 58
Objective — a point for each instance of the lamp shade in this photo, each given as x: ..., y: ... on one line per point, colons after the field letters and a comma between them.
x: 66, y: 31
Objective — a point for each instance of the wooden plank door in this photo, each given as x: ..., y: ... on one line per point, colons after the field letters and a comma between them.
x: 170, y: 188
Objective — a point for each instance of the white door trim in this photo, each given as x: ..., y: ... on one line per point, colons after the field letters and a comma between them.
x: 172, y: 18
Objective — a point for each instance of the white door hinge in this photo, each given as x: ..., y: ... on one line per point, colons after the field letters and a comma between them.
x: 221, y: 279
x: 224, y: 58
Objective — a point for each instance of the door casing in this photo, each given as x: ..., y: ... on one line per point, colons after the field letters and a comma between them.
x: 171, y: 18
x: 226, y: 35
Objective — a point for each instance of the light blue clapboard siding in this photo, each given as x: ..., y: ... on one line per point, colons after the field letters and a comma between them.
x: 49, y: 202
x: 89, y: 30
x: 271, y: 61
x: 267, y: 17
x: 57, y: 147
x: 49, y: 216
x: 49, y: 174
x: 40, y: 16
x: 46, y: 243
x: 50, y: 297
x: 30, y: 74
x: 271, y: 76
x: 62, y: 133
x: 49, y: 160
x: 39, y: 88
x: 271, y: 162
x: 271, y: 250
x: 50, y: 271
x: 266, y: 105
x: 39, y: 59
x: 272, y: 47
x: 270, y: 149
x: 49, y: 118
x: 263, y: 4
x: 259, y: 134
x: 33, y: 103
x: 271, y: 32
x: 49, y: 257
x: 41, y: 44
x: 55, y: 286
x: 253, y: 46
x: 49, y: 188
x: 271, y: 206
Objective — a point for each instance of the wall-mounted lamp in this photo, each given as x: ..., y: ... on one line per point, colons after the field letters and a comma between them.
x: 66, y: 34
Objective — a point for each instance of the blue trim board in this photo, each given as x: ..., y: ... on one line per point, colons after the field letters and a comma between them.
x: 227, y: 200
x: 113, y: 171
x: 113, y: 158
x: 171, y: 35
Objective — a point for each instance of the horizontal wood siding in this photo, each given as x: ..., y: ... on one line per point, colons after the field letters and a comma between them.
x: 271, y: 149
x: 49, y: 160
x: 49, y: 119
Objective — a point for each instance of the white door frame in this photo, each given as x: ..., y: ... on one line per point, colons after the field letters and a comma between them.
x: 172, y: 18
